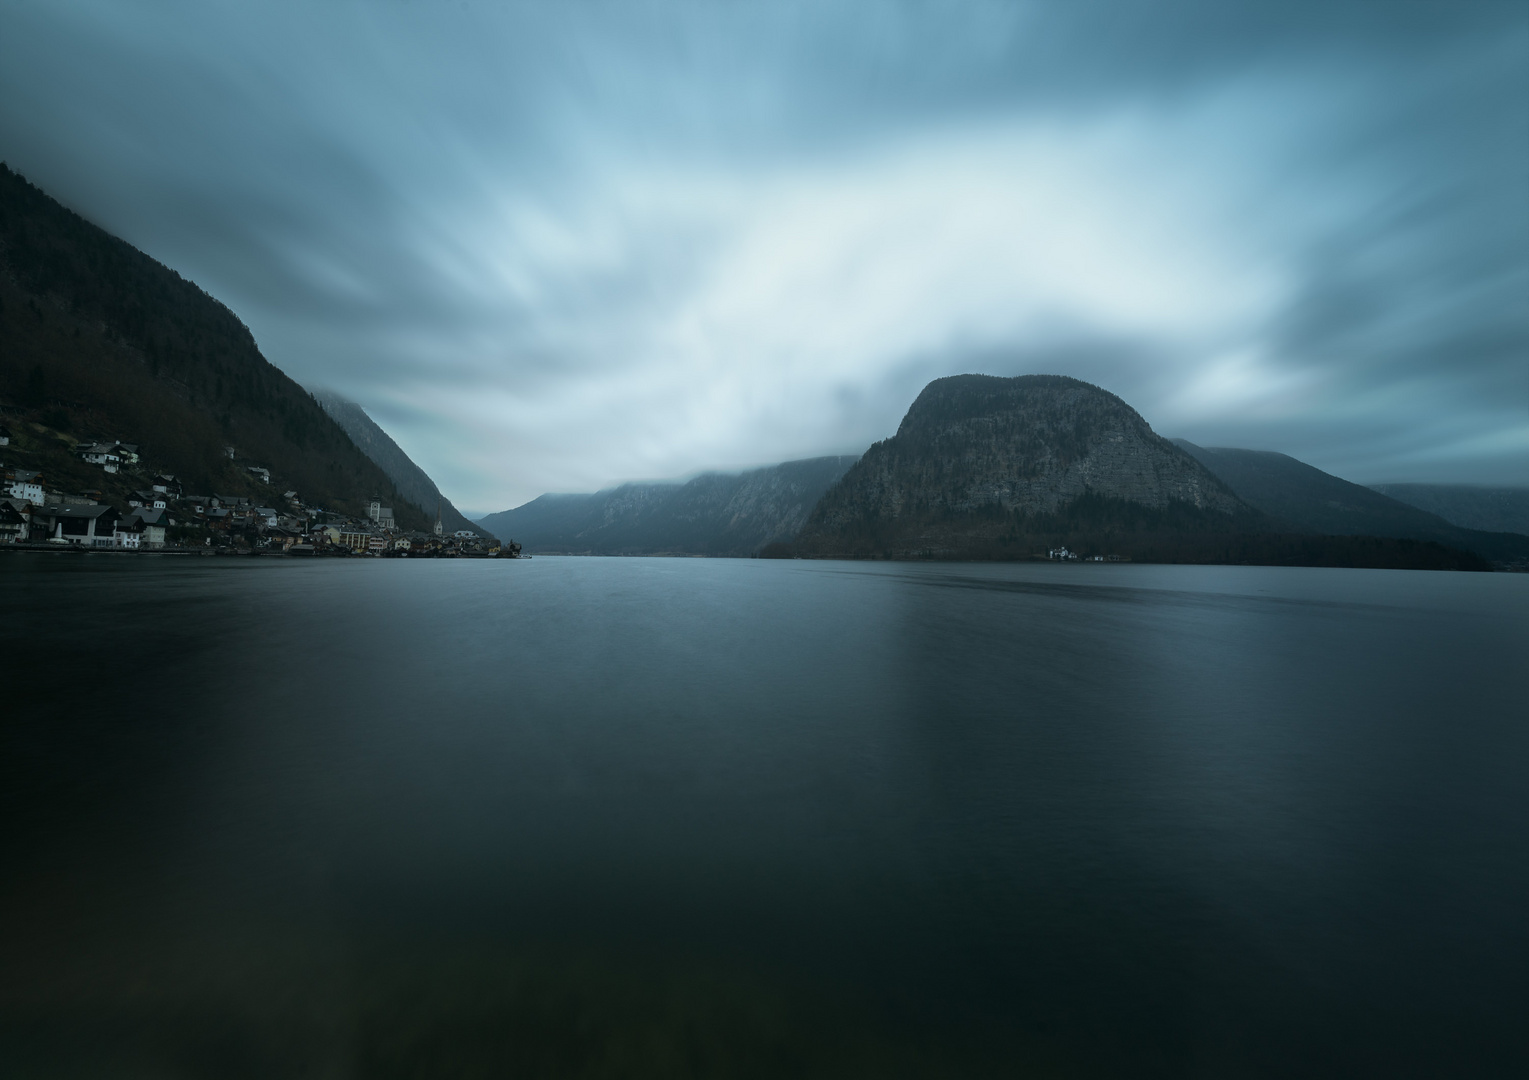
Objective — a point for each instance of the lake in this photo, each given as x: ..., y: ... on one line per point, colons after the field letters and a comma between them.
x: 684, y: 817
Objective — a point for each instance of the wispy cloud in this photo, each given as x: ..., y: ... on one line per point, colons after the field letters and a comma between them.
x: 552, y: 247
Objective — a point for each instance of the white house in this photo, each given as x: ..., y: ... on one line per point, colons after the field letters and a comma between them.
x: 25, y: 485
x: 152, y: 524
x: 128, y: 534
x: 109, y: 455
x: 100, y: 454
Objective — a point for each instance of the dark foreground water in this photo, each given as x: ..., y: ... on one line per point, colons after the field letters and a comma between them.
x: 670, y: 818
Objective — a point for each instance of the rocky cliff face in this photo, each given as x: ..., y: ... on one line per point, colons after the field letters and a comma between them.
x: 978, y: 456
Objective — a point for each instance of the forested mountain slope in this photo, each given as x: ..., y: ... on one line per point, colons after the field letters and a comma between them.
x: 1304, y: 498
x: 713, y: 514
x: 1470, y: 506
x: 410, y: 480
x: 98, y: 340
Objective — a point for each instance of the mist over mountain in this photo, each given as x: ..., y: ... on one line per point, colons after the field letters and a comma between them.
x: 713, y: 514
x: 1306, y: 499
x: 411, y: 481
x: 98, y: 340
x: 1491, y: 509
x: 984, y: 467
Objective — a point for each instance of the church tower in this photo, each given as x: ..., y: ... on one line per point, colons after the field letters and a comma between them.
x: 439, y: 531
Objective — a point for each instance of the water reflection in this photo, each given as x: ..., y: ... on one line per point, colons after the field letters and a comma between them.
x: 649, y: 817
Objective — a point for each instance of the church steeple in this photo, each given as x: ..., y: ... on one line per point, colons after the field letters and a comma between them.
x: 439, y: 531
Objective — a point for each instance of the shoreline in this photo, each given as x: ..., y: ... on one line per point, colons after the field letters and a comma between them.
x: 81, y: 549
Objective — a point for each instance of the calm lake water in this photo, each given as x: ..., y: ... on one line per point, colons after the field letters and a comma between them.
x: 644, y: 817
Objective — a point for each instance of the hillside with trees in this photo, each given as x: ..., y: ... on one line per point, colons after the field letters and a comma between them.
x: 728, y: 514
x: 1305, y: 499
x: 413, y: 483
x: 100, y: 341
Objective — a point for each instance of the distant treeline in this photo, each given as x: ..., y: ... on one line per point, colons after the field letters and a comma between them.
x: 1098, y: 525
x: 1260, y: 549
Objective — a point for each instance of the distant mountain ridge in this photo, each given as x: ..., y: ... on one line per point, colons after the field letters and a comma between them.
x: 99, y: 340
x: 734, y: 514
x: 1470, y: 506
x: 411, y: 481
x: 984, y: 467
x: 1304, y: 498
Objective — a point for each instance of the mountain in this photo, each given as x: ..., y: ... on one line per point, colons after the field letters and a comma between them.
x: 1307, y: 499
x: 1490, y: 509
x: 99, y: 341
x: 980, y: 462
x: 714, y: 514
x: 408, y: 478
x: 992, y: 468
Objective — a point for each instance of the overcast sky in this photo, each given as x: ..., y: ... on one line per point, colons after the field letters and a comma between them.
x: 556, y: 245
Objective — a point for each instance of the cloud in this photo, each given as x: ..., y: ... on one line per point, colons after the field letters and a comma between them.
x: 555, y: 246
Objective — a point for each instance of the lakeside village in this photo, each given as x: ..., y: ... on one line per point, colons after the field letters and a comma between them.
x: 1061, y: 554
x: 163, y: 517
